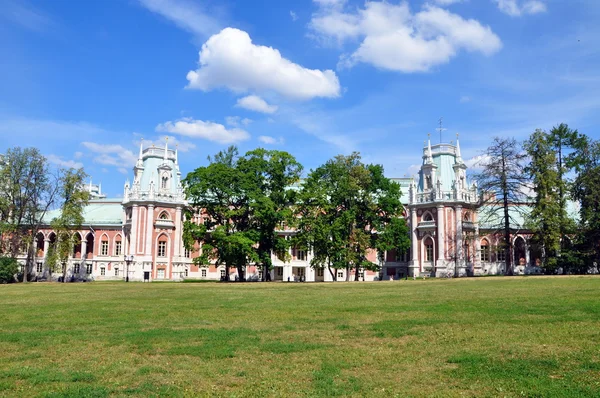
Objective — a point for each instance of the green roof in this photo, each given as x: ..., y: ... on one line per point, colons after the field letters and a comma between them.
x: 97, y: 212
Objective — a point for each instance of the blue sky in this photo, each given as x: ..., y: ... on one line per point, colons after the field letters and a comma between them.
x: 85, y: 81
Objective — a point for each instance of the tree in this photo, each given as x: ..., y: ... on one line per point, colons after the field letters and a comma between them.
x: 347, y: 209
x: 545, y: 219
x: 272, y: 174
x: 563, y: 139
x: 586, y: 190
x: 8, y: 268
x: 244, y: 199
x: 74, y: 199
x: 28, y: 190
x: 503, y: 182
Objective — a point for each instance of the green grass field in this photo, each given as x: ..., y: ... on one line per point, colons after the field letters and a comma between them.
x: 535, y: 336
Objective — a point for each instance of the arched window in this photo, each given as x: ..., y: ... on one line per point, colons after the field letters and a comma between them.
x: 429, y: 250
x: 118, y: 246
x: 485, y: 251
x: 427, y: 217
x: 467, y: 217
x: 519, y: 248
x: 164, y: 183
x: 163, y: 216
x: 162, y: 247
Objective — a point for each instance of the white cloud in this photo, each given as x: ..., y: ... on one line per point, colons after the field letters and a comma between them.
x: 265, y: 139
x: 257, y: 104
x: 476, y: 163
x: 235, y: 121
x: 185, y: 14
x: 174, y: 142
x: 64, y: 163
x: 464, y: 99
x: 78, y: 155
x: 394, y: 38
x: 230, y: 59
x: 447, y: 2
x: 111, y: 154
x: 294, y: 16
x: 26, y: 15
x: 206, y: 130
x: 517, y: 8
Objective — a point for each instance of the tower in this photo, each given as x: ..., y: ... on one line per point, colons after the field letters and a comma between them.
x: 443, y: 215
x: 153, y: 215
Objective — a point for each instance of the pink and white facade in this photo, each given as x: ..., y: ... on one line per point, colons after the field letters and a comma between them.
x: 442, y: 211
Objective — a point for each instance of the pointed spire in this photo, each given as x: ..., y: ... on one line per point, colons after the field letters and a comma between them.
x: 141, y: 148
x: 429, y: 153
x: 166, y: 148
x: 176, y: 156
x: 458, y: 156
x: 99, y: 188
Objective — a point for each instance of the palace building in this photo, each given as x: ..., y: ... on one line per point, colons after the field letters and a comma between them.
x: 442, y: 209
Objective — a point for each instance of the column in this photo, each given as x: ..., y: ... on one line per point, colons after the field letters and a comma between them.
x: 441, y: 220
x: 459, y: 240
x: 527, y: 254
x: 178, y: 232
x: 413, y: 267
x: 149, y: 227
x: 477, y: 259
x: 46, y: 247
x: 83, y: 249
x: 134, y: 225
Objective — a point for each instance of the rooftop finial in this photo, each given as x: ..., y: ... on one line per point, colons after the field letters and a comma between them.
x: 458, y: 156
x: 176, y: 148
x: 166, y: 147
x: 429, y: 154
x: 141, y: 149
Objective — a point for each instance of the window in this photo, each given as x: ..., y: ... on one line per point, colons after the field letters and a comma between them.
x: 102, y: 271
x: 88, y: 269
x: 164, y: 182
x: 116, y: 272
x: 340, y: 274
x: 279, y: 271
x: 160, y: 274
x: 203, y: 273
x: 164, y: 216
x: 485, y: 251
x: 301, y: 255
x: 76, y: 268
x: 361, y: 274
x: 104, y: 248
x: 162, y: 249
x: 319, y: 271
x: 222, y: 273
x: 39, y: 267
x: 118, y: 247
x: 187, y: 253
x: 501, y: 254
x: 429, y: 251
x: 186, y: 273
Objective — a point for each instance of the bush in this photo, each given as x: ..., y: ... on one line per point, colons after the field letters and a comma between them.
x: 8, y: 268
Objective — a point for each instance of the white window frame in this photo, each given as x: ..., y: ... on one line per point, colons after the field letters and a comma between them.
x: 162, y: 249
x: 104, y: 247
x: 204, y: 272
x: 118, y: 248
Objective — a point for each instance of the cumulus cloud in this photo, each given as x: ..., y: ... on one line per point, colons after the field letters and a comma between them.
x: 477, y: 163
x: 235, y: 121
x: 174, y: 142
x: 229, y: 59
x: 265, y: 139
x: 64, y: 163
x: 111, y: 155
x: 185, y: 14
x: 257, y: 104
x: 206, y: 130
x: 447, y: 2
x: 517, y: 8
x: 393, y: 38
x: 294, y: 16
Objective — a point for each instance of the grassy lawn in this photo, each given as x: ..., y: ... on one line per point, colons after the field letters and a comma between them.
x: 535, y: 336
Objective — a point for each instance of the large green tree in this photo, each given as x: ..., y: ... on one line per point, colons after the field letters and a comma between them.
x: 586, y: 191
x: 346, y: 209
x: 503, y: 181
x: 244, y: 199
x: 73, y: 199
x: 272, y: 174
x: 546, y: 216
x: 28, y: 189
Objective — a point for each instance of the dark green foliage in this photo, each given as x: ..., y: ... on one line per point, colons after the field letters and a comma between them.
x: 245, y: 200
x: 8, y: 269
x: 347, y: 208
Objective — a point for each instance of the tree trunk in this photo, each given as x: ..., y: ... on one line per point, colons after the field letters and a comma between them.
x: 333, y: 274
x: 505, y: 193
